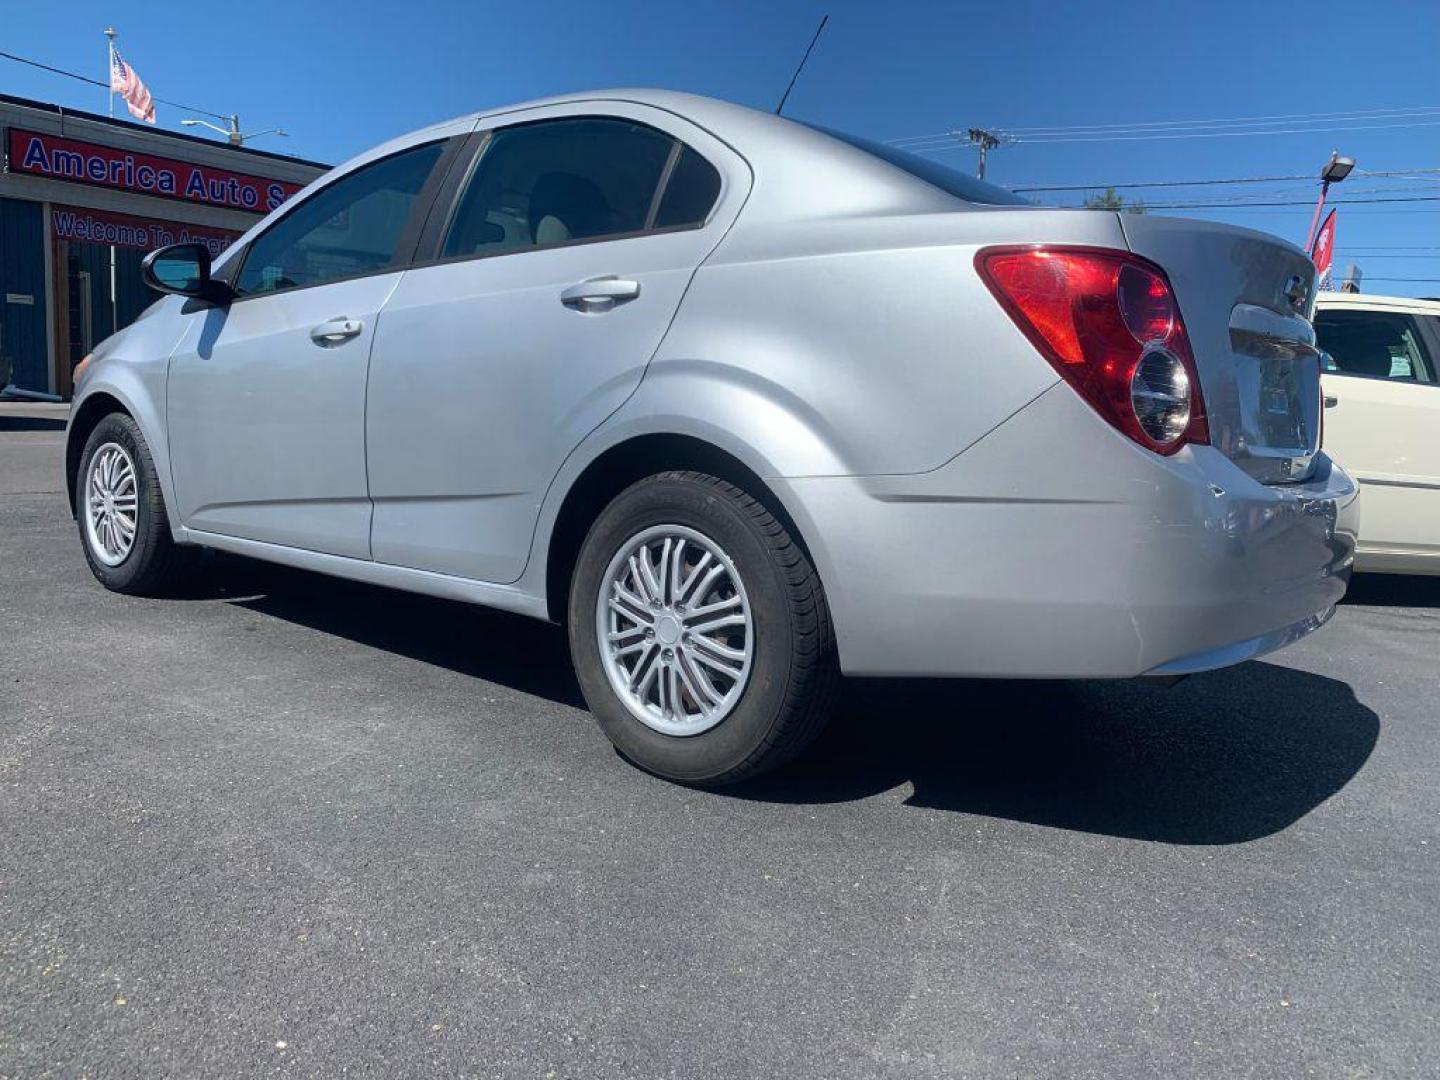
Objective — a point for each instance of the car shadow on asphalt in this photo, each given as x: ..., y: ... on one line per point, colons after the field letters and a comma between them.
x: 1221, y: 758
x: 1393, y: 590
x: 524, y: 654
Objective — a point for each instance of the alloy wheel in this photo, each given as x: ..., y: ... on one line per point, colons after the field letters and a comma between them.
x: 675, y: 629
x: 111, y: 504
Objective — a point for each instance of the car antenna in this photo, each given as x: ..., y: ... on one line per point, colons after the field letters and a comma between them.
x: 786, y: 96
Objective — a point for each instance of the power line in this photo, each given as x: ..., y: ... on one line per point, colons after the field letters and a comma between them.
x: 1291, y: 198
x: 1228, y: 134
x: 1221, y: 180
x: 1150, y: 137
x: 1332, y: 202
x: 1164, y: 183
x: 1279, y: 120
x: 104, y: 85
x: 1270, y: 120
x: 1234, y: 209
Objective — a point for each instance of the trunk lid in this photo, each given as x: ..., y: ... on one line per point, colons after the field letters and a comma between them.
x: 1246, y: 299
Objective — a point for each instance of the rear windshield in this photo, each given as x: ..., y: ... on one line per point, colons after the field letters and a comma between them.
x: 951, y: 181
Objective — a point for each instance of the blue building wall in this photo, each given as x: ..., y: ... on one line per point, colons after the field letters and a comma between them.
x: 23, y: 330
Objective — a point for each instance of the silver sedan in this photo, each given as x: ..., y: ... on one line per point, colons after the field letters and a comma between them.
x: 745, y: 404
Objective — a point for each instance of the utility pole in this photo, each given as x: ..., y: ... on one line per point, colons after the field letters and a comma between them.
x: 983, y: 141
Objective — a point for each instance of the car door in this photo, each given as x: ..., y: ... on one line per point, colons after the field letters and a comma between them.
x: 266, y: 395
x: 564, y: 254
x: 1382, y: 423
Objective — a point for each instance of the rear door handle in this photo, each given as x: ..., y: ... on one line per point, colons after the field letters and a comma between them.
x: 336, y: 331
x: 1331, y: 401
x: 599, y: 294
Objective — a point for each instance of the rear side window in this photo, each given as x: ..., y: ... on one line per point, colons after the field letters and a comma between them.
x: 951, y: 181
x: 346, y: 229
x: 693, y: 187
x: 559, y: 182
x: 1374, y: 344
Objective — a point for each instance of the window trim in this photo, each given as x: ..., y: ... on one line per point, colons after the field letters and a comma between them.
x: 406, y: 245
x: 662, y: 186
x: 429, y: 250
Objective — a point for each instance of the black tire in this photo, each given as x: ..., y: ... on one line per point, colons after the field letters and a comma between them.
x: 155, y: 564
x: 790, y: 691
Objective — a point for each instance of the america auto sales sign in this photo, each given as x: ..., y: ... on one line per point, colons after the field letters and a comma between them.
x: 82, y: 162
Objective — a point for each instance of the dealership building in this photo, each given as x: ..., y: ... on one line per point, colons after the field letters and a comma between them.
x: 83, y: 197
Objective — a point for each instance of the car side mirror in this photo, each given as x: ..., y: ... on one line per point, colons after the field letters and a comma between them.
x: 184, y: 270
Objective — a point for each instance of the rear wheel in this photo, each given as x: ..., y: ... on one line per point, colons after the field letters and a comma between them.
x: 699, y: 631
x: 121, y: 512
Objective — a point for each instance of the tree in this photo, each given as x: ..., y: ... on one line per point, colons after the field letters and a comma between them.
x: 1112, y: 201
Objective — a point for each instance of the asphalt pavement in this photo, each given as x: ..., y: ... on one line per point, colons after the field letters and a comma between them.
x: 295, y: 827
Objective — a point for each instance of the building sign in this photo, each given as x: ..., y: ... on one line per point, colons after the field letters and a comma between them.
x: 107, y: 166
x: 125, y: 230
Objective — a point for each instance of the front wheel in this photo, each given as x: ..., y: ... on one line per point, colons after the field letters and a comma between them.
x: 120, y: 509
x: 699, y: 631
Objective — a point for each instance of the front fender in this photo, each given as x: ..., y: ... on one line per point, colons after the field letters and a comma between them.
x: 129, y: 370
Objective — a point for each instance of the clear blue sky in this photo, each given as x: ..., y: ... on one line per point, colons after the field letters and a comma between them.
x: 342, y: 76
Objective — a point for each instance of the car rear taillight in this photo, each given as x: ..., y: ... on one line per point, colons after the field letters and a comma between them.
x: 1108, y: 323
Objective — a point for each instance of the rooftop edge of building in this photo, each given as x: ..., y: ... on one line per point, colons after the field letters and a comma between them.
x: 133, y: 128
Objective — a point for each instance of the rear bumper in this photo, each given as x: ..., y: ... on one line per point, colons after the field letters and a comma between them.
x: 1055, y: 548
x: 1240, y: 651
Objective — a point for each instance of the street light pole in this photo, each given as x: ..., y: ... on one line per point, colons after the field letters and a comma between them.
x: 233, y: 135
x: 1335, y: 170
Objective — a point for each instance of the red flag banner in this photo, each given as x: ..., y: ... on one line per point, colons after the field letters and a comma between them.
x: 1324, y: 251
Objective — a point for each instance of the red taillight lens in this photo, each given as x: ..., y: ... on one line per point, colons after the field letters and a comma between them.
x: 1145, y: 303
x: 1108, y: 323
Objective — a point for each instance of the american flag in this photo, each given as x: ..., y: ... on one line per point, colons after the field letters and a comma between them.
x: 127, y: 84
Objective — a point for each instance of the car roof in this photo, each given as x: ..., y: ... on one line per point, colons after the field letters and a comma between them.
x: 1369, y: 301
x: 695, y: 107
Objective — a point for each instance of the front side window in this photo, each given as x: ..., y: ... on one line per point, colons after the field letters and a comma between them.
x: 559, y: 182
x: 1375, y: 344
x: 349, y: 228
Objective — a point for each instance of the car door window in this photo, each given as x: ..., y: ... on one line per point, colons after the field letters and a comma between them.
x: 691, y: 191
x: 348, y: 228
x: 1374, y: 344
x: 560, y: 182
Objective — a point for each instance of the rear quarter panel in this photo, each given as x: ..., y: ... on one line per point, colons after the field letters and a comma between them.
x: 849, y: 347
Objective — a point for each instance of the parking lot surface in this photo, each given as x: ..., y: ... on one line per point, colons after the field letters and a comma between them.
x: 291, y: 826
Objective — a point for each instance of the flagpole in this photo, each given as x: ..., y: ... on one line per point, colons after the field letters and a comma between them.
x: 110, y: 100
x: 110, y: 67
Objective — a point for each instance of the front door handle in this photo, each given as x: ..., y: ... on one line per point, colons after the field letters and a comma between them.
x: 599, y: 294
x: 336, y: 331
x: 1331, y: 401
